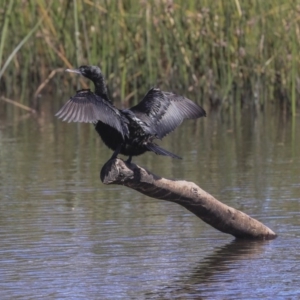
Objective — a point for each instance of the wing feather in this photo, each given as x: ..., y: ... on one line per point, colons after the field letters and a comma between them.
x: 87, y: 107
x: 164, y: 111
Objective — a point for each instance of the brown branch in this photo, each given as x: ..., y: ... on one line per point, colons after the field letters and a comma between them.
x: 15, y: 103
x: 43, y: 84
x: 189, y: 195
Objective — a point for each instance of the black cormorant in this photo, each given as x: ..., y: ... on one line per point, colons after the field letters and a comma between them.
x: 128, y: 131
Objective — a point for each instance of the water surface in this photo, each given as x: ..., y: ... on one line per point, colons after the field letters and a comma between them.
x: 65, y: 235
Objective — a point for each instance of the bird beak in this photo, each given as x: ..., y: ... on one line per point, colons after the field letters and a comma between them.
x: 73, y: 71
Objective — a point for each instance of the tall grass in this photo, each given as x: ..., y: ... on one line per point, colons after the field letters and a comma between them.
x: 226, y: 53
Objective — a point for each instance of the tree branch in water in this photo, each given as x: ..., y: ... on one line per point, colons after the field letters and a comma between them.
x: 215, y: 213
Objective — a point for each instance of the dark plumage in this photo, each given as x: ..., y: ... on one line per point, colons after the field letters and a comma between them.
x: 129, y: 131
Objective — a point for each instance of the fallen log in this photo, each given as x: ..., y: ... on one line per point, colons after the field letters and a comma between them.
x: 189, y: 195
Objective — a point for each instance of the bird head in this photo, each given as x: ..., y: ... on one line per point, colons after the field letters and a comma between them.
x: 91, y: 72
x: 94, y: 74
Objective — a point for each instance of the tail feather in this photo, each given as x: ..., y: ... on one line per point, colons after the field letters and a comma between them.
x: 160, y: 151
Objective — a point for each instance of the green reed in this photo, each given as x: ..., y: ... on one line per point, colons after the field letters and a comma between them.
x: 221, y: 53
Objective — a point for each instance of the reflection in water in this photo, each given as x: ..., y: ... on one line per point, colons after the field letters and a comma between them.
x: 224, y: 257
x: 65, y: 235
x: 211, y: 269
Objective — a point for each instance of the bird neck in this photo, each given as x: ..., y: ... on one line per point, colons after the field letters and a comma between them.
x: 100, y: 88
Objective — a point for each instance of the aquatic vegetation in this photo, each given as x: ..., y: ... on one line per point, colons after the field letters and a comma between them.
x: 225, y: 53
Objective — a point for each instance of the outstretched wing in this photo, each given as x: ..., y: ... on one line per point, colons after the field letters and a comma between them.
x: 164, y: 111
x: 88, y: 107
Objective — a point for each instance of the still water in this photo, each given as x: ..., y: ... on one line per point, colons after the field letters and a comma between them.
x: 65, y: 235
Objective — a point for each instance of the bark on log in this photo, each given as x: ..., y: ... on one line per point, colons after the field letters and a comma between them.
x: 189, y: 195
